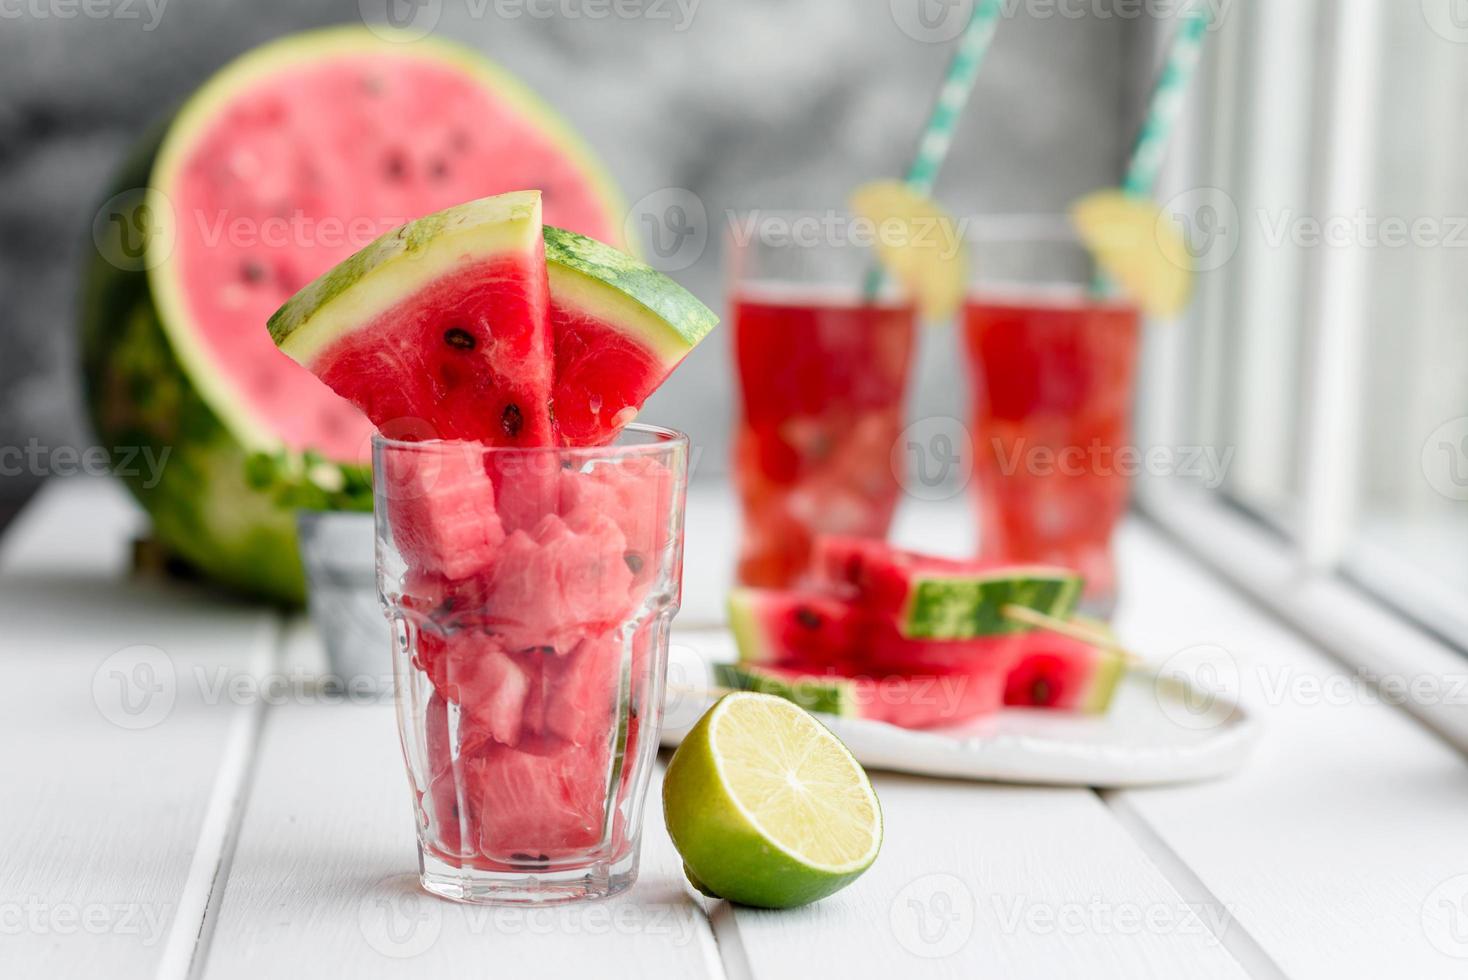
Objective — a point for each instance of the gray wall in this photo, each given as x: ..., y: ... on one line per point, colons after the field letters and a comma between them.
x: 775, y: 103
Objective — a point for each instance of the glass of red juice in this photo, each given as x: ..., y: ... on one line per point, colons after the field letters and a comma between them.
x: 823, y: 364
x: 1053, y: 363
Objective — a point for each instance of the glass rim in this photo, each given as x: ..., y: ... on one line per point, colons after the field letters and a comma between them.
x: 661, y: 440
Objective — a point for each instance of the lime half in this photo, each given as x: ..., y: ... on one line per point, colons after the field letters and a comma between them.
x: 767, y: 807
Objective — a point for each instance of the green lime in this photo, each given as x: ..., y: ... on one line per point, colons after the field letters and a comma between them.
x: 767, y: 807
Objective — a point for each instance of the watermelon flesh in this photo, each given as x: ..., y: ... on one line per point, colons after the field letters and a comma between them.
x: 927, y: 700
x: 535, y: 665
x: 1063, y: 673
x: 926, y: 597
x: 301, y: 168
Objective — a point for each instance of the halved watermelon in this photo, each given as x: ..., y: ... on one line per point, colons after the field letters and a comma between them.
x: 926, y: 700
x: 282, y: 165
x: 940, y: 598
x: 1064, y: 673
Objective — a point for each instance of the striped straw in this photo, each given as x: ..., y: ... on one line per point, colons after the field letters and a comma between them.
x: 953, y: 96
x: 958, y: 85
x: 1167, y: 103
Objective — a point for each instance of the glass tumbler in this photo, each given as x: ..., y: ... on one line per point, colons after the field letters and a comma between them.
x: 1054, y: 372
x: 823, y: 370
x: 530, y: 593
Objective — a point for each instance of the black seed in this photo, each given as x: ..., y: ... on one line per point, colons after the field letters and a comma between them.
x: 252, y: 271
x: 438, y: 170
x: 396, y: 166
x: 545, y: 650
x: 808, y: 618
x: 512, y: 420
x: 460, y: 338
x: 530, y: 858
x: 634, y: 561
x: 1040, y: 691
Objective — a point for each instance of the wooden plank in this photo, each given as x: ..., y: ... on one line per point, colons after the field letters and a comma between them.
x: 1340, y: 847
x: 323, y: 882
x: 124, y: 749
x: 991, y: 881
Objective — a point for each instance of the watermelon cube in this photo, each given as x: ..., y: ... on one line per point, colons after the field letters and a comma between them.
x: 441, y: 507
x: 552, y: 586
x: 539, y: 802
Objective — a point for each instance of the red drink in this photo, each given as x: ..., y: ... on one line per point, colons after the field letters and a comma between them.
x: 1053, y: 379
x: 822, y: 383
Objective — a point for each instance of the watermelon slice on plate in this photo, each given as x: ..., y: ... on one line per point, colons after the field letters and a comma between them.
x: 817, y: 632
x: 940, y: 598
x: 926, y: 700
x: 1064, y: 673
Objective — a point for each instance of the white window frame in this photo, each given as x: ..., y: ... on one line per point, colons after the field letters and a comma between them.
x: 1303, y: 575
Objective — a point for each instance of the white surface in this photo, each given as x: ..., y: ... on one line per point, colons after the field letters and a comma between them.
x: 1154, y: 733
x: 1328, y: 855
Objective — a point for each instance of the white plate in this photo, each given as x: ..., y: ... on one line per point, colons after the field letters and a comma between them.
x: 1156, y: 732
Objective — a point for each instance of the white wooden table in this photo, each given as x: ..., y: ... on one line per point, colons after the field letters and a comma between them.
x: 229, y: 825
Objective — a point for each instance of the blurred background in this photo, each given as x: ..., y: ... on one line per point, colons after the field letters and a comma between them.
x: 751, y: 103
x: 1314, y: 175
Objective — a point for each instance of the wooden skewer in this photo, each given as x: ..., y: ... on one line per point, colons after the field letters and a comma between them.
x: 1096, y: 638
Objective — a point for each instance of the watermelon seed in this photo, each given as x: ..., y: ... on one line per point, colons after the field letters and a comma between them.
x: 634, y: 561
x: 396, y: 166
x: 459, y: 337
x: 808, y: 618
x: 438, y: 170
x: 252, y: 271
x: 512, y: 420
x: 532, y: 858
x: 1040, y: 691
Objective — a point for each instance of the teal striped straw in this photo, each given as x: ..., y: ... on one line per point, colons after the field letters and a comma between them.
x: 1167, y: 103
x: 958, y: 85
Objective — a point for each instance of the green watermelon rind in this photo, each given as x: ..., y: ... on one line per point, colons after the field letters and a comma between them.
x: 626, y: 293
x: 226, y: 498
x: 744, y: 624
x: 951, y: 607
x: 399, y: 265
x: 1109, y: 671
x: 820, y: 695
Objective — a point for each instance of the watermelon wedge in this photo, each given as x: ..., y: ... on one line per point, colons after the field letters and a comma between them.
x: 1064, y: 673
x: 817, y: 632
x: 468, y: 324
x: 285, y: 163
x: 906, y: 700
x: 938, y: 598
x: 619, y: 328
